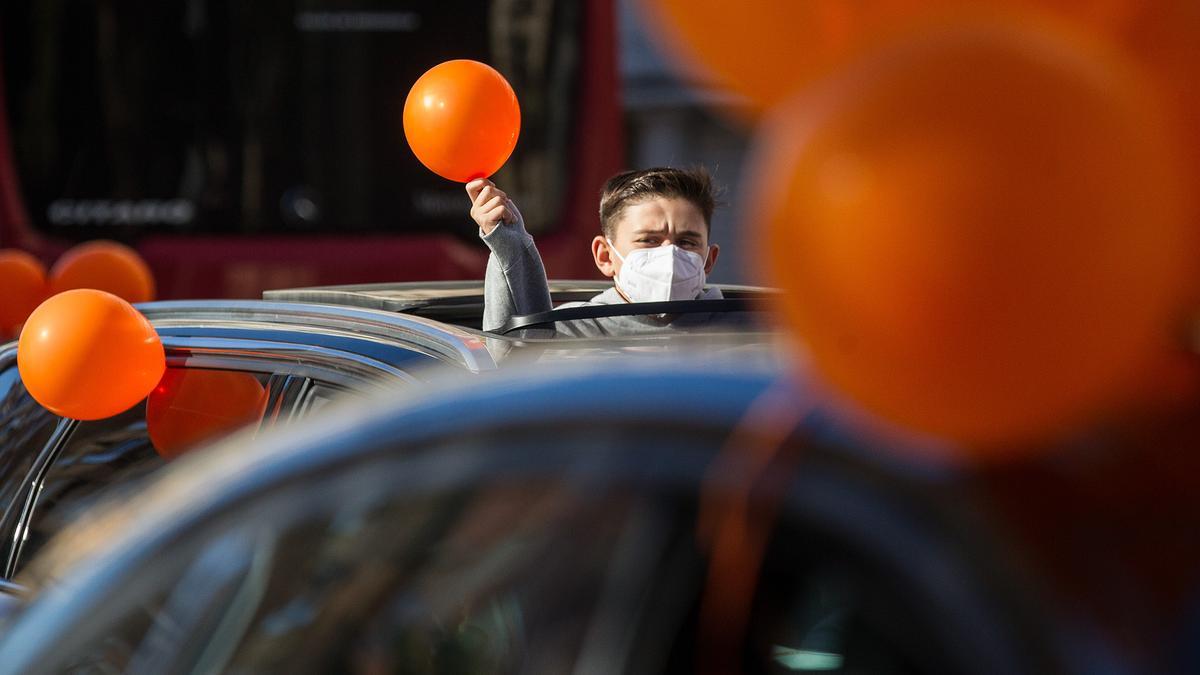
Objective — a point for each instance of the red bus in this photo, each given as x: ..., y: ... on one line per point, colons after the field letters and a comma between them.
x: 241, y: 146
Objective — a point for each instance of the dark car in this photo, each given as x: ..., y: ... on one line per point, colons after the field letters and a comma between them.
x: 302, y: 355
x: 621, y: 519
x: 306, y: 347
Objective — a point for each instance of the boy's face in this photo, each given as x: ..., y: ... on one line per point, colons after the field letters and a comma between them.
x: 659, y: 221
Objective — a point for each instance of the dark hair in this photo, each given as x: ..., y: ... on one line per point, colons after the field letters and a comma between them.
x: 631, y: 187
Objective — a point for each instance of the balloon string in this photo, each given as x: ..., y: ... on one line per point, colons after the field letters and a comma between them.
x: 737, y: 511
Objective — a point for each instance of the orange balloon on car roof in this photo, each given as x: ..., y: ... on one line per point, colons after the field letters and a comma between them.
x: 87, y: 355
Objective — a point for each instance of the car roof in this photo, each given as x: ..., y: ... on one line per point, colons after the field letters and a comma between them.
x: 331, y: 326
x: 386, y: 335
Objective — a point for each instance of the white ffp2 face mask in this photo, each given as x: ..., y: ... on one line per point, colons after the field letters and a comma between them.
x: 660, y: 273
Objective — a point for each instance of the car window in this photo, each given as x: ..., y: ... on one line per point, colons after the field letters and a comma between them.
x: 110, y: 149
x: 464, y: 582
x: 319, y: 396
x: 155, y: 637
x: 25, y: 427
x: 97, y: 455
x: 101, y: 454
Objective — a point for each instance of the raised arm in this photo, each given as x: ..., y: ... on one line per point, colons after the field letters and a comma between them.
x: 515, y: 282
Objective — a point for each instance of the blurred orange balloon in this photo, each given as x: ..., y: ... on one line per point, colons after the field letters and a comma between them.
x: 191, y: 406
x: 767, y: 50
x: 982, y: 234
x: 87, y: 354
x: 104, y: 266
x: 462, y: 120
x: 1163, y: 37
x: 23, y: 280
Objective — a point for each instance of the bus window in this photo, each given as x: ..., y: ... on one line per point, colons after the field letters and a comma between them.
x: 222, y: 117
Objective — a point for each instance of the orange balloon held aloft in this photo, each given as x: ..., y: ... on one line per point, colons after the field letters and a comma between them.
x: 22, y: 288
x: 104, y: 266
x: 982, y: 235
x: 462, y: 120
x: 87, y: 354
x: 192, y: 406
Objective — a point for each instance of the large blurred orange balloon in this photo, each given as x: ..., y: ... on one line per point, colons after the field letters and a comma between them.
x: 982, y: 234
x: 191, y: 406
x: 88, y: 355
x: 1163, y: 37
x: 462, y: 120
x: 22, y: 288
x: 105, y: 266
x: 767, y: 50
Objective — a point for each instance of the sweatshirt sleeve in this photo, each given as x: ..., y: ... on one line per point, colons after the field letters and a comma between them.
x: 515, y: 282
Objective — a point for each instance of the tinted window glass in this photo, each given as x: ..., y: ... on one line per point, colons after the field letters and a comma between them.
x: 466, y: 582
x: 321, y: 396
x: 25, y: 426
x: 98, y: 455
x: 822, y: 608
x: 232, y: 117
x: 120, y: 450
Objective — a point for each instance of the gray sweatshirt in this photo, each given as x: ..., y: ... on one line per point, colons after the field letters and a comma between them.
x: 515, y: 285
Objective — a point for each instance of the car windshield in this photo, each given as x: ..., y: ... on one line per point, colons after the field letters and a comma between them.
x: 738, y: 326
x: 637, y: 318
